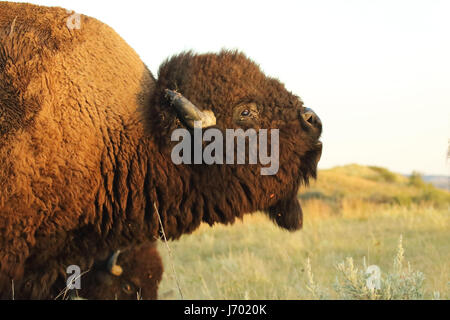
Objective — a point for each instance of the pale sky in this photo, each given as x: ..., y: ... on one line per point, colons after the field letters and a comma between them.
x: 376, y: 72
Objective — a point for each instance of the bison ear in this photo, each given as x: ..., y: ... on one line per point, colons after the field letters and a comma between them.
x: 189, y: 113
x: 287, y: 214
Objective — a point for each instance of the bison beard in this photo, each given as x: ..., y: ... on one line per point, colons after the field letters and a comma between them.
x: 85, y: 150
x: 287, y: 213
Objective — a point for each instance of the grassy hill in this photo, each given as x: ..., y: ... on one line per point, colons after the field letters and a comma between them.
x: 354, y: 187
x: 351, y: 211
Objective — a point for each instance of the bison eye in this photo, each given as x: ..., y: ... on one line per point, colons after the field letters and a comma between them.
x: 245, y: 113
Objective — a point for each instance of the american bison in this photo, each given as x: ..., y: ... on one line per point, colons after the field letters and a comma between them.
x: 86, y: 163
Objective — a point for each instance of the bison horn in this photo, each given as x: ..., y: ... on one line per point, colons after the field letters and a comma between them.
x: 189, y: 113
x: 112, y: 265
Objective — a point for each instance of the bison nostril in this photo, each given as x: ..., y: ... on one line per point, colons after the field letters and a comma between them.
x: 308, y: 118
x: 311, y: 118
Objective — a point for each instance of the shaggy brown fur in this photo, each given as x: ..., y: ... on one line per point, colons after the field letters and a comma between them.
x: 85, y: 152
x: 70, y: 131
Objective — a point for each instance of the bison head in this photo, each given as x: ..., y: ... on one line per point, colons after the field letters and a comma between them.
x: 129, y: 275
x: 229, y: 91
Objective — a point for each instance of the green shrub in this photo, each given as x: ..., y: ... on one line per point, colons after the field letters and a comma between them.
x: 402, y: 283
x: 431, y: 194
x: 384, y: 175
x: 416, y: 180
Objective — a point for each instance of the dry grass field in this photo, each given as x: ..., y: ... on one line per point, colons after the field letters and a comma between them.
x: 375, y: 217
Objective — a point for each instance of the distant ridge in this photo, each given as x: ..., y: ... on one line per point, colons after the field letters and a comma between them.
x: 441, y: 182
